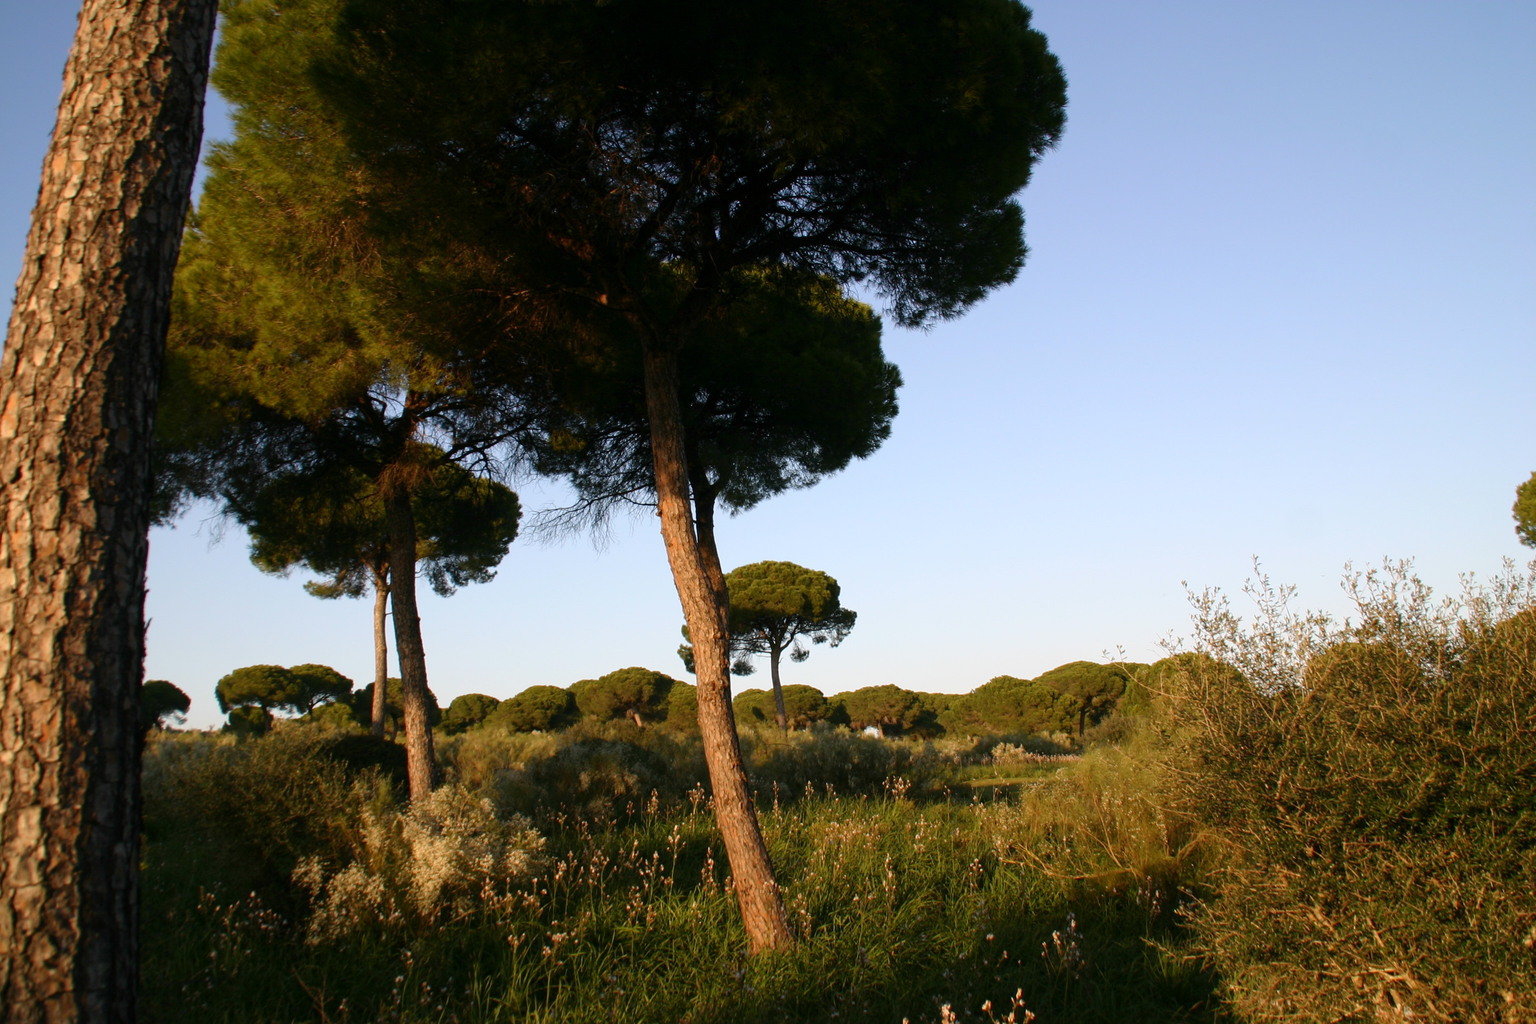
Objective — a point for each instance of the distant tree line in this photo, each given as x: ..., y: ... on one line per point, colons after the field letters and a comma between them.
x: 1068, y: 700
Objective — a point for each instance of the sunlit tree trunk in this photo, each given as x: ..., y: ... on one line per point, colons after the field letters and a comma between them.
x: 380, y: 649
x: 78, y: 383
x: 419, y: 757
x: 701, y: 589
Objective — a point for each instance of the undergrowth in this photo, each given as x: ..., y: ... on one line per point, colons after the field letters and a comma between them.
x: 1374, y: 781
x: 905, y: 903
x: 1309, y: 820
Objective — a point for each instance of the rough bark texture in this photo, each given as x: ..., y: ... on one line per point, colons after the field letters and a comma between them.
x: 419, y: 758
x: 380, y: 650
x: 78, y: 383
x: 701, y: 589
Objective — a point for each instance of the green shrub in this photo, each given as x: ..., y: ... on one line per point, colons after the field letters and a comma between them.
x: 598, y: 770
x: 1007, y: 704
x: 1374, y: 779
x: 261, y: 805
x: 475, y: 758
x: 1103, y: 824
x: 638, y: 694
x: 825, y: 756
x: 803, y: 706
x: 468, y: 710
x: 248, y: 722
x: 364, y: 753
x: 683, y: 708
x: 752, y: 707
x: 888, y: 708
x: 536, y: 709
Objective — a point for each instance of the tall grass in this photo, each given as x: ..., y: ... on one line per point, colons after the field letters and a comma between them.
x: 905, y: 908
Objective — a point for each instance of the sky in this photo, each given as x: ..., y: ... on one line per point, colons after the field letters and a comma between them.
x: 1280, y: 305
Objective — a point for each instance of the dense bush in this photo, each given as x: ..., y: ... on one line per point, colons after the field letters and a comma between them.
x: 362, y: 753
x: 803, y: 705
x: 638, y: 694
x: 752, y: 707
x: 1095, y: 689
x: 536, y: 709
x: 601, y: 769
x: 683, y: 708
x: 1008, y: 704
x: 888, y: 708
x: 249, y: 721
x: 257, y: 806
x: 1376, y: 778
x: 467, y: 711
x: 475, y: 757
x: 825, y: 758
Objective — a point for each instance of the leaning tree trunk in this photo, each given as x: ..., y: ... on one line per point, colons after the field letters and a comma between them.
x: 380, y: 709
x: 419, y: 758
x: 700, y: 587
x: 78, y: 384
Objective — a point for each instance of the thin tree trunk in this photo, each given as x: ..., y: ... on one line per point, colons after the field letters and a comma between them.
x: 778, y: 691
x: 695, y: 572
x: 380, y: 649
x: 78, y: 384
x: 419, y: 758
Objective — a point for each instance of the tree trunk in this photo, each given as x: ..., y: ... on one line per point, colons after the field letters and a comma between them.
x: 419, y: 758
x: 78, y: 383
x: 380, y: 649
x: 695, y: 571
x: 779, y: 713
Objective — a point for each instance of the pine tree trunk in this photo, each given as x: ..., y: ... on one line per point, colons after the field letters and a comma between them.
x: 380, y: 650
x: 78, y: 384
x: 695, y: 569
x: 778, y: 691
x: 419, y: 758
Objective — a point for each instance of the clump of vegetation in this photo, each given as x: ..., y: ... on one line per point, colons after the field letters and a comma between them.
x: 1372, y: 781
x: 436, y: 859
x: 824, y: 757
x: 254, y: 808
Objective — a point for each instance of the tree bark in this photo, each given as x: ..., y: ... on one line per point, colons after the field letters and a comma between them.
x: 701, y: 589
x: 78, y: 383
x: 780, y: 714
x: 419, y: 757
x: 380, y: 649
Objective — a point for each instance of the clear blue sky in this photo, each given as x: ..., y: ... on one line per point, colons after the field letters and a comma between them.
x: 1281, y: 303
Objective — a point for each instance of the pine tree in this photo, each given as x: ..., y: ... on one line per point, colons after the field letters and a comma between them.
x: 78, y: 386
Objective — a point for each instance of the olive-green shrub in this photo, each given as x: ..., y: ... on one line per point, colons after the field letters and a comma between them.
x: 1374, y: 782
